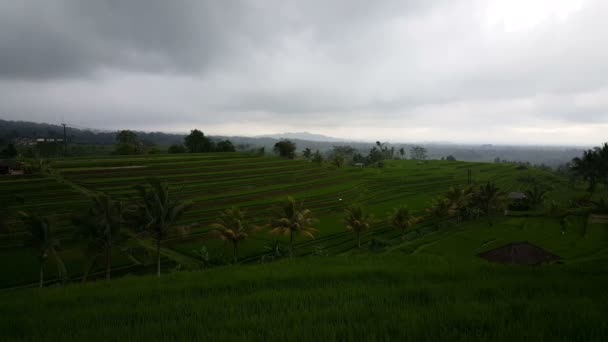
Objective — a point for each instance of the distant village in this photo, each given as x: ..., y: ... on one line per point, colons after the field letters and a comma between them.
x: 9, y: 166
x: 35, y: 141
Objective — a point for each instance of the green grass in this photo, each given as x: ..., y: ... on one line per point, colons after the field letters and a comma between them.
x: 430, y: 287
x: 371, y: 297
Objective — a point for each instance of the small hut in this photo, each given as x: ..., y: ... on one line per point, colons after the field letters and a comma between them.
x: 519, y: 253
x: 518, y: 201
x: 10, y: 167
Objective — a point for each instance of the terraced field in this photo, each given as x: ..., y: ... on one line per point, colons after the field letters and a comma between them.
x: 219, y: 180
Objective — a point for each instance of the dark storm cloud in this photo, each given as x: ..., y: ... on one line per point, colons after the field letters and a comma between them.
x: 434, y: 70
x: 68, y: 38
x: 56, y: 39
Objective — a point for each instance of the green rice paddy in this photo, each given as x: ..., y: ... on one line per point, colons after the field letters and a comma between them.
x: 430, y: 287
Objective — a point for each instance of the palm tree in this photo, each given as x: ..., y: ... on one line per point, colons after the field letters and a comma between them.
x: 439, y: 211
x: 490, y: 199
x: 100, y: 227
x: 232, y: 227
x: 558, y: 212
x: 357, y: 221
x: 291, y: 220
x: 157, y: 212
x: 42, y: 239
x: 459, y: 200
x: 589, y: 166
x: 535, y: 196
x: 403, y: 220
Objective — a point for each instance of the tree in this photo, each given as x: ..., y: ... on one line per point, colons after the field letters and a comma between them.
x: 357, y: 221
x: 307, y: 153
x: 127, y: 137
x: 593, y: 166
x: 43, y: 240
x: 439, y: 211
x: 375, y: 155
x: 535, y: 196
x: 490, y: 200
x: 177, y: 148
x: 232, y: 227
x: 292, y: 220
x: 379, y: 153
x: 100, y: 227
x: 450, y: 158
x: 197, y: 142
x: 418, y: 152
x: 402, y: 220
x: 157, y: 212
x: 225, y: 146
x: 127, y: 143
x: 459, y: 199
x: 338, y: 160
x: 10, y: 151
x: 558, y: 212
x: 341, y: 155
x: 402, y: 152
x: 285, y: 149
x: 317, y: 157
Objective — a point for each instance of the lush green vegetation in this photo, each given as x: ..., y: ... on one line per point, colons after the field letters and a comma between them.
x: 409, y: 271
x: 427, y: 289
x: 214, y: 182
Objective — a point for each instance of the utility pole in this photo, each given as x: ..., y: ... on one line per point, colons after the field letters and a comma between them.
x: 65, y: 140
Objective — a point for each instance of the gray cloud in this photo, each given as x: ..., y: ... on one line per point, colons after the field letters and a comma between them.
x: 395, y: 69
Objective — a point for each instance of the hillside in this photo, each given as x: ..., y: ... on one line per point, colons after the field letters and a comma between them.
x: 431, y: 285
x: 258, y: 184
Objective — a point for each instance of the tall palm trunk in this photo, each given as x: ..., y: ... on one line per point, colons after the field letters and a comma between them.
x: 108, y: 260
x: 86, y: 271
x: 234, y: 251
x: 291, y: 244
x: 359, y: 239
x: 41, y: 283
x: 158, y: 257
x: 109, y: 253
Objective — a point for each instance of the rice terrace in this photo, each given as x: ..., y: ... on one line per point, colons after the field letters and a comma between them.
x: 399, y: 241
x: 291, y: 170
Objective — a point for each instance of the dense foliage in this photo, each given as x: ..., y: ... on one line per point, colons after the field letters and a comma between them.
x: 285, y: 149
x: 593, y: 166
x: 413, y: 265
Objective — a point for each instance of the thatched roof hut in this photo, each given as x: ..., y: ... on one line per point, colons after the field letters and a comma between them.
x: 520, y: 253
x: 517, y: 196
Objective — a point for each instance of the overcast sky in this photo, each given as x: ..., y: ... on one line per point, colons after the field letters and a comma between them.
x: 479, y: 71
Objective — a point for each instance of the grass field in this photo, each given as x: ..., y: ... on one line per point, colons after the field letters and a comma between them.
x: 429, y: 290
x: 430, y: 287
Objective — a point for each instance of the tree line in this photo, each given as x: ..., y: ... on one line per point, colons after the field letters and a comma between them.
x: 344, y: 155
x: 592, y: 167
x: 127, y: 143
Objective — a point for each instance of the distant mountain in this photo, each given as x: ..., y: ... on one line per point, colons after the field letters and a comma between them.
x: 302, y: 136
